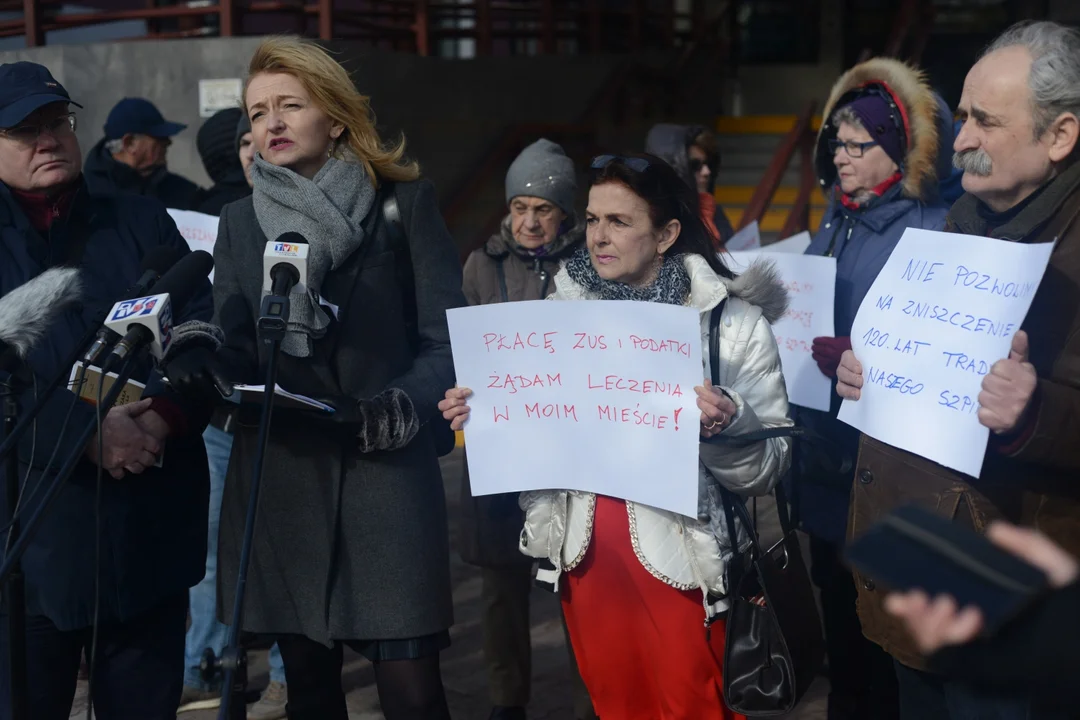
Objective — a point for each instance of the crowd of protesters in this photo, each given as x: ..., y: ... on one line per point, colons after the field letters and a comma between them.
x: 358, y: 549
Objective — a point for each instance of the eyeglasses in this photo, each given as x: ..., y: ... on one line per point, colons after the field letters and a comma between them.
x: 696, y: 164
x: 28, y: 134
x: 634, y: 163
x: 853, y: 149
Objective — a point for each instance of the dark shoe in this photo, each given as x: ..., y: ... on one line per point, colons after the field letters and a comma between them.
x: 507, y: 713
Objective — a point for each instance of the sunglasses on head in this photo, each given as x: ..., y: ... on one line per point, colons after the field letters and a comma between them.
x: 634, y: 163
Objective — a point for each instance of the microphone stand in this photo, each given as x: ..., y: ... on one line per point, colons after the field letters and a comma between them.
x: 16, y: 586
x: 232, y: 664
x: 18, y: 548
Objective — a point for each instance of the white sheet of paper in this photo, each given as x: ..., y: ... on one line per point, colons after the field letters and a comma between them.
x: 942, y: 311
x: 248, y: 393
x: 811, y: 284
x: 599, y: 393
x: 199, y: 229
x: 746, y: 239
x: 795, y: 244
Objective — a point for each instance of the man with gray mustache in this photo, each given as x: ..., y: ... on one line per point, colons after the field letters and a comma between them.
x: 1018, y: 148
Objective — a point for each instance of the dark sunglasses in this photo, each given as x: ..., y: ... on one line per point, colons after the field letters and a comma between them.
x: 634, y: 163
x: 696, y: 164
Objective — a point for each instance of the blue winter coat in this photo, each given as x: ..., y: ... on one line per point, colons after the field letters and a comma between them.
x: 153, y: 525
x: 861, y: 241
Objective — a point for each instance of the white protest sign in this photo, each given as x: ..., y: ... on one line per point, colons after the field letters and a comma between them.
x: 795, y: 244
x: 942, y: 311
x: 199, y: 229
x: 811, y: 284
x: 604, y: 390
x: 746, y: 239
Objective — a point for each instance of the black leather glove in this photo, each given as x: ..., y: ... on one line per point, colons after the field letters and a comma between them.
x: 387, y: 421
x: 197, y: 373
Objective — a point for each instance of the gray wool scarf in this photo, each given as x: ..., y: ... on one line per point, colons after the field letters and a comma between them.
x: 327, y: 210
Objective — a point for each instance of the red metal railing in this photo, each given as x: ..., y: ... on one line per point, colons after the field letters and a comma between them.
x: 410, y: 25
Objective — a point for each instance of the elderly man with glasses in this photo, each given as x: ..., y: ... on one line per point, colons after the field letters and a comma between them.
x: 151, y: 468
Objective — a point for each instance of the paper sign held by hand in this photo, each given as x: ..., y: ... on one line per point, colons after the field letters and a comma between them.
x: 811, y: 284
x: 942, y: 311
x: 595, y: 396
x: 199, y: 229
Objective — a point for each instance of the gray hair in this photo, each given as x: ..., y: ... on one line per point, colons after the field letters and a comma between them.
x: 114, y: 146
x: 846, y: 115
x: 1055, y: 68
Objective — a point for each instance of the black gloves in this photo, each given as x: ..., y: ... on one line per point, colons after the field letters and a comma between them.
x: 197, y: 373
x: 387, y: 421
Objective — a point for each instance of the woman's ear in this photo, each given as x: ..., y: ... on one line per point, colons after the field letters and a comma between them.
x: 336, y: 131
x: 668, y: 235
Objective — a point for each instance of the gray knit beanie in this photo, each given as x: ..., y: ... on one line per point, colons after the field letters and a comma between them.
x: 543, y: 170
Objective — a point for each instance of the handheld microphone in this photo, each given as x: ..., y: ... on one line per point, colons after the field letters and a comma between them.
x: 285, y: 265
x: 148, y: 320
x: 156, y: 263
x: 27, y: 311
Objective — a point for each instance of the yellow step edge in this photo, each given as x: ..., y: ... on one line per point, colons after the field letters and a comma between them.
x: 760, y: 124
x: 459, y: 439
x: 774, y: 219
x: 740, y: 195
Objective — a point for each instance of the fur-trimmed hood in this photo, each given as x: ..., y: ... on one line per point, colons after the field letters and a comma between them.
x: 759, y: 285
x: 926, y: 116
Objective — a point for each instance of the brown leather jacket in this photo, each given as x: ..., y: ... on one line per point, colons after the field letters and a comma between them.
x: 500, y: 272
x: 1031, y: 478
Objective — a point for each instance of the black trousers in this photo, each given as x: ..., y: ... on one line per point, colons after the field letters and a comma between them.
x: 861, y: 674
x: 138, y: 673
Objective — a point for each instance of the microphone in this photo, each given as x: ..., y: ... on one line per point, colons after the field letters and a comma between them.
x: 148, y: 320
x: 285, y: 265
x: 27, y: 311
x: 156, y: 263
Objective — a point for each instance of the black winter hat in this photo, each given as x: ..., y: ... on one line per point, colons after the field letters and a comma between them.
x: 216, y: 142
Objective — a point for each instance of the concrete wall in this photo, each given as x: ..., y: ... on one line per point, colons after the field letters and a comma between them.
x: 783, y: 89
x: 451, y: 110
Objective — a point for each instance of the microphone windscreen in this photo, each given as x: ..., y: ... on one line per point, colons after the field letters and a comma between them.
x: 27, y: 311
x: 184, y: 278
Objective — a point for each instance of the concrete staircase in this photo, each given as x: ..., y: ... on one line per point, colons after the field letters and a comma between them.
x: 747, y: 145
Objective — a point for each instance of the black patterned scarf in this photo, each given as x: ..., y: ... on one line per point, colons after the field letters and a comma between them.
x: 672, y: 284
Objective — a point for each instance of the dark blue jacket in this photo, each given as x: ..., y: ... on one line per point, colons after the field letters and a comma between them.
x: 861, y: 241
x: 153, y: 525
x: 107, y: 176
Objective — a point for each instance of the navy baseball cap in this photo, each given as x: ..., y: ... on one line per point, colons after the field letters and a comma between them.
x: 25, y: 87
x: 138, y: 116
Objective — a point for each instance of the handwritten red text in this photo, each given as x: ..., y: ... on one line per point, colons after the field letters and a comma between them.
x: 519, y: 341
x: 514, y: 383
x: 632, y: 416
x: 615, y: 382
x: 659, y: 346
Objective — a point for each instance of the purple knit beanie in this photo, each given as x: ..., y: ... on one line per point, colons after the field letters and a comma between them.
x: 876, y: 116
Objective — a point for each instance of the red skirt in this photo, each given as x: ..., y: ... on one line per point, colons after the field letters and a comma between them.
x: 640, y: 644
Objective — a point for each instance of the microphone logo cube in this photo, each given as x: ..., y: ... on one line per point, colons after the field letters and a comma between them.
x: 138, y: 307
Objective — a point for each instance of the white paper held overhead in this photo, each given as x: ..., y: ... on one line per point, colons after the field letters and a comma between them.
x: 942, y: 311
x: 603, y: 390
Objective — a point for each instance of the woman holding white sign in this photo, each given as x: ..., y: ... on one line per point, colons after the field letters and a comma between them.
x: 881, y: 155
x: 636, y: 602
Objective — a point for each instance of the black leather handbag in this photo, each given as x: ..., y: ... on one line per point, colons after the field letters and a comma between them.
x: 774, y: 646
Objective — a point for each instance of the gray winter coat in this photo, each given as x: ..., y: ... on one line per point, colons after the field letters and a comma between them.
x: 348, y: 545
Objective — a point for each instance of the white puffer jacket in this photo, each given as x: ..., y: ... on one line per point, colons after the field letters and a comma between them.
x: 684, y: 552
